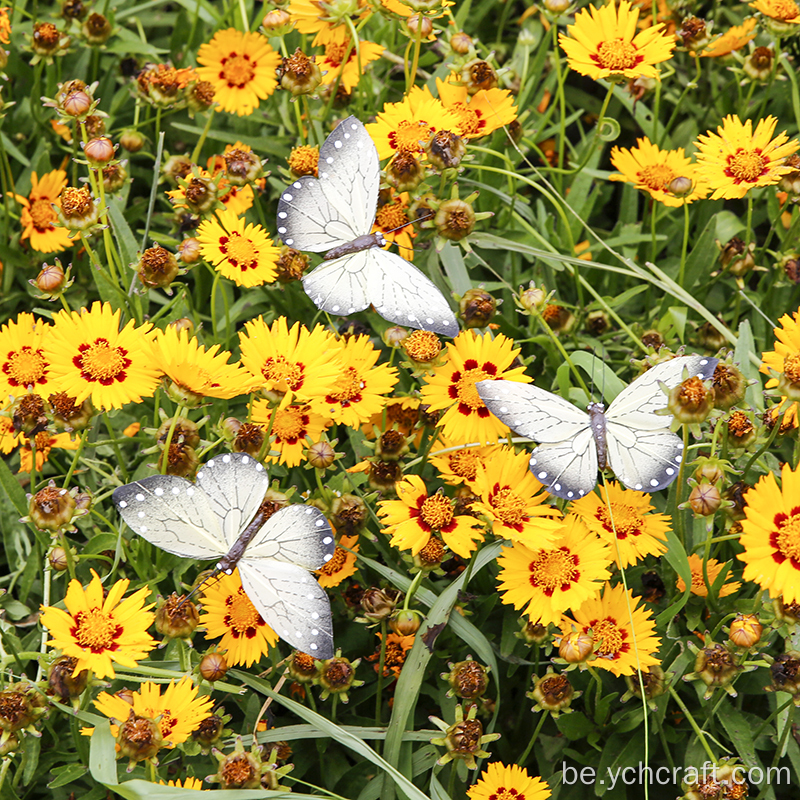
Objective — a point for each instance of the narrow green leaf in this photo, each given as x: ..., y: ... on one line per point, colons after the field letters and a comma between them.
x: 102, y: 756
x: 678, y: 560
x: 12, y: 489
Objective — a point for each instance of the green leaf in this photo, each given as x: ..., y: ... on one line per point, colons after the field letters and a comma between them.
x: 679, y: 561
x: 336, y: 732
x: 740, y: 732
x: 66, y: 775
x: 453, y: 263
x: 13, y: 490
x: 102, y: 755
x: 126, y: 241
x: 575, y: 725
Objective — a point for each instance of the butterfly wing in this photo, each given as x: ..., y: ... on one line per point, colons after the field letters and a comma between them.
x: 642, y: 452
x: 317, y: 214
x: 173, y: 514
x: 291, y: 602
x: 235, y: 485
x: 566, y: 459
x: 339, y: 286
x: 296, y: 534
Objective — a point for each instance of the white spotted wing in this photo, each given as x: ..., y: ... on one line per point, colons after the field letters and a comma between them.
x: 203, y: 520
x: 339, y: 206
x: 641, y: 450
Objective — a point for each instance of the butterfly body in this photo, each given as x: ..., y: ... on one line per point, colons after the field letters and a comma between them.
x: 630, y: 438
x: 219, y: 518
x: 334, y: 213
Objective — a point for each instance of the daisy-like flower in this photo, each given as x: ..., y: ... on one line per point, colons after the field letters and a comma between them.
x: 402, y: 414
x: 9, y: 438
x: 359, y: 391
x: 733, y: 39
x: 609, y: 621
x: 314, y: 16
x: 713, y: 567
x: 395, y: 653
x: 471, y: 358
x: 23, y: 363
x: 45, y: 442
x: 188, y: 783
x: 786, y: 13
x: 228, y: 612
x: 241, y: 252
x: 514, y: 501
x: 293, y: 427
x: 479, y: 114
x: 783, y: 363
x: 737, y: 159
x: 559, y: 577
x: 236, y: 199
x: 348, y: 73
x: 342, y: 565
x: 295, y: 363
x: 99, y: 630
x: 603, y: 43
x: 392, y: 221
x: 196, y: 372
x: 501, y: 782
x: 179, y: 708
x: 241, y: 68
x: 39, y: 220
x: 404, y: 127
x: 653, y: 170
x: 627, y: 517
x: 417, y: 515
x: 459, y: 464
x: 771, y: 535
x: 90, y: 357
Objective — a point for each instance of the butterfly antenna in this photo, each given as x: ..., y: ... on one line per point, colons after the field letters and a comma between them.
x: 207, y: 579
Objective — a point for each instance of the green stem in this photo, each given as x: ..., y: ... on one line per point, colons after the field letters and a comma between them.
x: 527, y: 751
x: 695, y: 726
x: 685, y: 245
x: 379, y: 689
x: 198, y: 148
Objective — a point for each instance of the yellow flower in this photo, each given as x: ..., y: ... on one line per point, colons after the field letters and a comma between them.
x: 480, y: 114
x: 736, y: 159
x: 461, y: 463
x: 347, y: 73
x: 296, y: 364
x: 9, y: 438
x: 99, y: 630
x: 90, y: 357
x: 786, y: 11
x: 471, y: 358
x: 178, y: 711
x: 713, y: 568
x: 404, y: 127
x: 241, y: 252
x: 45, y: 442
x: 188, y: 783
x: 771, y: 535
x: 342, y: 565
x: 561, y: 576
x: 638, y: 532
x: 241, y: 67
x: 514, y: 501
x: 359, y: 391
x: 314, y: 16
x: 609, y: 620
x: 392, y: 221
x: 23, y: 363
x: 501, y: 782
x: 653, y: 170
x: 293, y: 428
x: 603, y: 43
x: 228, y: 612
x: 195, y: 370
x: 733, y: 39
x: 417, y: 515
x: 783, y: 363
x: 39, y: 220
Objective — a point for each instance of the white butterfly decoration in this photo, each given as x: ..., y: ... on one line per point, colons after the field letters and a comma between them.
x: 335, y: 213
x: 636, y: 443
x: 214, y: 518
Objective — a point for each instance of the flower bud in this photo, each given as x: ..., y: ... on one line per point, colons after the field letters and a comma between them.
x: 741, y: 430
x: 693, y: 33
x: 532, y: 298
x: 654, y: 681
x: 20, y: 709
x: 115, y: 176
x: 28, y: 414
x: 576, y: 647
x: 558, y: 318
x: 736, y: 257
x: 785, y: 673
x: 275, y: 21
x: 62, y: 683
x: 378, y: 604
x: 209, y: 731
x: 51, y: 280
x: 99, y: 151
x: 132, y: 140
x: 419, y: 26
x: 468, y: 679
x: 454, y: 220
x: 139, y: 738
x: 553, y: 693
x: 157, y: 267
x: 337, y: 676
x: 185, y: 430
x: 76, y: 103
x: 201, y: 194
x: 249, y: 439
x: 321, y: 455
x: 96, y: 29
x: 705, y: 499
x: 405, y: 622
x: 758, y: 65
x: 729, y: 385
x: 680, y: 186
x: 431, y: 556
x: 349, y: 514
x: 461, y: 43
x: 67, y: 414
x: 52, y: 508
x: 95, y: 125
x: 78, y: 210
x: 690, y: 402
x: 200, y: 96
x: 176, y: 617
x: 597, y: 323
x: 464, y: 739
x: 745, y: 630
x: 557, y: 7
x: 304, y: 160
x: 300, y: 74
x: 786, y: 613
x: 74, y: 10
x: 445, y: 150
x: 213, y: 667
x: 790, y: 181
x: 533, y: 632
x: 405, y: 172
x: 422, y: 347
x: 303, y: 667
x: 477, y: 308
x: 47, y: 41
x: 716, y: 667
x: 177, y: 168
x: 242, y: 167
x: 478, y: 75
x: 58, y: 559
x: 240, y: 769
x: 189, y: 251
